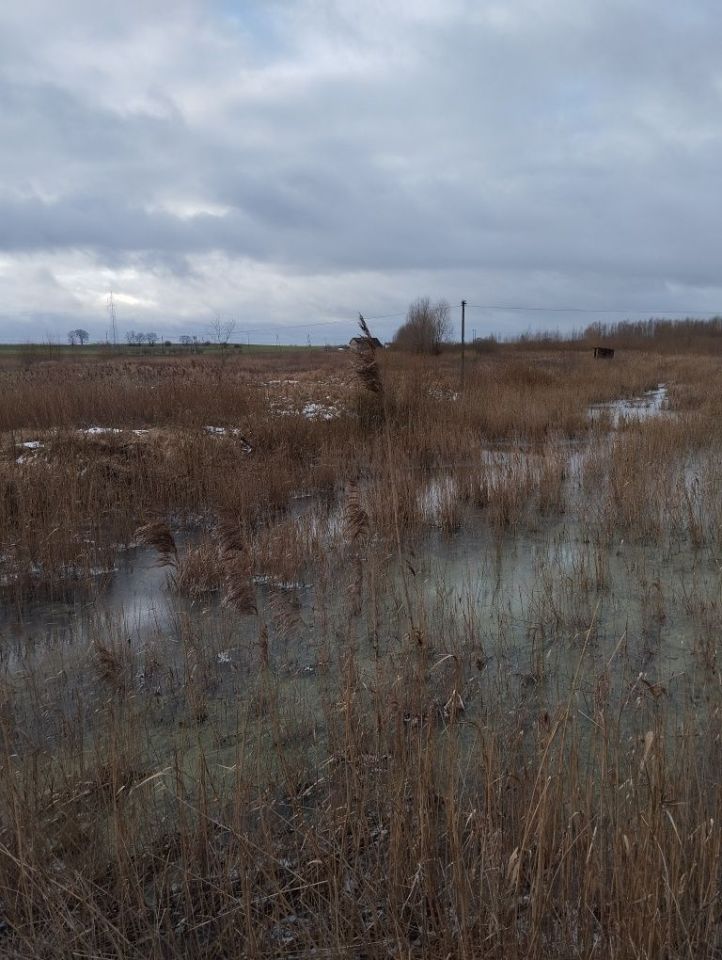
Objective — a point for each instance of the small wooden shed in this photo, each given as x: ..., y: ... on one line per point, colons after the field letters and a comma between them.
x: 604, y: 353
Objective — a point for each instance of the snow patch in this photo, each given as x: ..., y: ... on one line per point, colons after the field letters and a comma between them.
x: 230, y: 432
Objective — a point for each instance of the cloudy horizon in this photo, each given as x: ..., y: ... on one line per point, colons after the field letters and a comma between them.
x: 289, y: 163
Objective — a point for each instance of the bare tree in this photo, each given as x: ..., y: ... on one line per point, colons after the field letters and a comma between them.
x: 426, y: 328
x: 222, y: 329
x: 78, y: 336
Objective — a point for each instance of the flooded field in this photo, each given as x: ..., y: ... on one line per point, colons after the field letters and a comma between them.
x: 297, y: 649
x: 521, y: 608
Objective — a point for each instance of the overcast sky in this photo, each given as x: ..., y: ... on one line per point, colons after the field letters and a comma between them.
x: 288, y: 163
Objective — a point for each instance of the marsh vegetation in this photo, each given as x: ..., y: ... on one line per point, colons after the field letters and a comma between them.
x: 316, y: 655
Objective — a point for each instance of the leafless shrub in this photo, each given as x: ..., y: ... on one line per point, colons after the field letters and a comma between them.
x: 426, y: 328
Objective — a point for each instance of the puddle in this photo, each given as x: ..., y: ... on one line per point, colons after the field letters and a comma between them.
x: 650, y: 404
x: 437, y: 498
x: 522, y: 609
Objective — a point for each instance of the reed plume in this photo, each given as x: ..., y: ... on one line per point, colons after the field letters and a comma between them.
x: 236, y: 568
x: 365, y: 362
x: 108, y: 662
x: 355, y: 518
x: 158, y: 534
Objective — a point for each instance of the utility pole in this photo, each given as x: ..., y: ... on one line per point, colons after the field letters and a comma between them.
x: 463, y: 331
x: 111, y: 311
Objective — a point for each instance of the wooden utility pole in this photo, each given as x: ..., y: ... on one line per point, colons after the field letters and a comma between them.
x: 463, y: 331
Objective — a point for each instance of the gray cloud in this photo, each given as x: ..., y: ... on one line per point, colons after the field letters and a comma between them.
x: 293, y: 162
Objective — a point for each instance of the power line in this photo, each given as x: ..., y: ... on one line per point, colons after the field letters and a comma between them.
x: 340, y: 321
x: 318, y: 323
x: 649, y: 313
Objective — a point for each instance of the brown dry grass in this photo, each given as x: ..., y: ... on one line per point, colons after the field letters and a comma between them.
x: 289, y: 431
x: 436, y: 792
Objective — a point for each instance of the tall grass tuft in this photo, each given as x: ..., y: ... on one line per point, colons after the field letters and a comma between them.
x: 366, y: 362
x: 157, y: 534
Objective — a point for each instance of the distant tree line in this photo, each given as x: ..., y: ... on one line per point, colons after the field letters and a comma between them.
x: 136, y: 337
x: 149, y: 338
x: 661, y: 334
